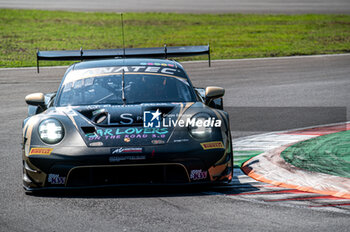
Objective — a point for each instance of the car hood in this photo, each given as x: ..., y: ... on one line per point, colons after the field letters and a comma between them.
x: 118, y: 125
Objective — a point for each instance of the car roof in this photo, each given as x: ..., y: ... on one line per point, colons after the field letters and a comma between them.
x: 124, y: 62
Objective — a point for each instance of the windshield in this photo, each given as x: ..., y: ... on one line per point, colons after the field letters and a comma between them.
x: 138, y: 88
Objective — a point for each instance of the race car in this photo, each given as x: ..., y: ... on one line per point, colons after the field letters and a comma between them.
x: 132, y: 119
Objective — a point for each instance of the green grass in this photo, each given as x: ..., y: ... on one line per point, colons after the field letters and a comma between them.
x: 239, y: 157
x: 230, y: 35
x: 327, y: 154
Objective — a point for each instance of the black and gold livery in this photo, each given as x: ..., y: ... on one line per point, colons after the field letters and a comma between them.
x: 126, y: 122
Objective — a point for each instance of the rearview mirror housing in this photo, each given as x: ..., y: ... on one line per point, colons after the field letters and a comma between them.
x: 35, y: 99
x: 213, y: 92
x: 213, y: 97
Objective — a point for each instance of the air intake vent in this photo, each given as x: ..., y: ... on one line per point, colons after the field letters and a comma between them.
x: 120, y: 175
x: 88, y: 129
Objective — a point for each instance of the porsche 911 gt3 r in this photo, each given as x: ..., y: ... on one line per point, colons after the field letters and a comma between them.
x: 125, y: 121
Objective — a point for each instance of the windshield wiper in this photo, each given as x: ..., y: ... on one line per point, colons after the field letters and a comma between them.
x: 123, y: 87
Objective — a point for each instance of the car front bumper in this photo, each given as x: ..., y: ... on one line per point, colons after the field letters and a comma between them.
x: 86, y: 167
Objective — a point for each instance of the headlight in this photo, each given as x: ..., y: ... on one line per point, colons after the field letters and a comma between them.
x: 199, y: 127
x: 51, y: 131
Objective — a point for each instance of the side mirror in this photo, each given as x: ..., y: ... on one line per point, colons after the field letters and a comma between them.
x: 36, y: 99
x: 213, y: 92
x: 213, y: 97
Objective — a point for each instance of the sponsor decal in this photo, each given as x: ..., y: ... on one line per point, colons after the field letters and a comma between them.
x: 198, y: 174
x: 126, y: 150
x: 128, y: 157
x: 212, y: 145
x: 77, y: 75
x: 158, y: 64
x: 40, y: 151
x: 128, y: 133
x: 151, y: 119
x: 157, y: 141
x: 125, y: 119
x: 56, y: 179
x: 192, y: 122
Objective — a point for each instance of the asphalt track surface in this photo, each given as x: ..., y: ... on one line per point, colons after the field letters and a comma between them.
x: 188, y: 6
x: 275, y: 83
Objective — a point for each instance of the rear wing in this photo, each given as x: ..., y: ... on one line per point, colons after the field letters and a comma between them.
x: 159, y: 52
